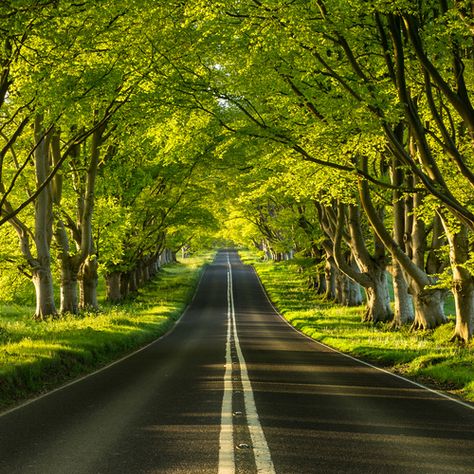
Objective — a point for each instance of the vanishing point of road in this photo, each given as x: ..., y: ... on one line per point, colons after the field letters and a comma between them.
x: 234, y: 389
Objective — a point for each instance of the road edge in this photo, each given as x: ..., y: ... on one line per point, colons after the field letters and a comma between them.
x: 110, y: 364
x: 465, y: 404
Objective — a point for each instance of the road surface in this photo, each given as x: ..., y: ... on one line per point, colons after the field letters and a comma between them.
x: 233, y: 388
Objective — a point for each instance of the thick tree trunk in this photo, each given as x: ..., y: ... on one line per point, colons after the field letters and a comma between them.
x: 69, y: 295
x: 132, y: 283
x: 463, y: 281
x: 429, y: 308
x: 428, y: 302
x: 139, y: 275
x: 88, y: 279
x: 347, y: 291
x: 317, y: 282
x: 378, y: 298
x: 341, y: 293
x: 330, y: 277
x: 146, y: 273
x: 321, y: 283
x: 404, y: 312
x: 113, y: 286
x: 354, y: 295
x: 463, y: 289
x: 363, y: 267
x: 43, y: 282
x: 125, y: 284
x: 69, y: 270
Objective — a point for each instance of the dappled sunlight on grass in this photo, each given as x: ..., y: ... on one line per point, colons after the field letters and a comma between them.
x: 38, y: 355
x: 428, y: 356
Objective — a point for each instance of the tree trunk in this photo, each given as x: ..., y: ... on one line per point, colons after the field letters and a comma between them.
x: 402, y: 220
x: 321, y: 283
x: 133, y: 284
x: 429, y: 308
x: 69, y: 271
x: 347, y: 291
x: 341, y: 283
x: 125, y: 284
x: 88, y: 280
x: 69, y: 297
x: 463, y: 281
x: 364, y: 268
x: 378, y: 298
x: 42, y: 276
x: 354, y: 295
x: 113, y: 285
x: 144, y: 272
x: 404, y: 313
x: 330, y: 277
x: 428, y: 302
x: 139, y: 275
x: 43, y: 282
x: 463, y: 289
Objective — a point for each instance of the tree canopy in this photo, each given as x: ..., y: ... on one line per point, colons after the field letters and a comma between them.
x: 339, y: 132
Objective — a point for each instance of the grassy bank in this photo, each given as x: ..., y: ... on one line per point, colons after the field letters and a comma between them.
x: 35, y: 357
x: 427, y: 356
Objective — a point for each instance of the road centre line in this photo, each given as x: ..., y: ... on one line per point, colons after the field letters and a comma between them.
x: 263, y: 459
x: 226, y: 437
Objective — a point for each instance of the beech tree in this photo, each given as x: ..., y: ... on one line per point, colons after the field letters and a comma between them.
x: 350, y: 129
x: 352, y: 76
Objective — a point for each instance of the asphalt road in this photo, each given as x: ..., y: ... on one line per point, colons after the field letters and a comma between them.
x: 234, y: 389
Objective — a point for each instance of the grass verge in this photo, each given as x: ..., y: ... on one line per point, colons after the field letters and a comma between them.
x: 425, y: 356
x: 38, y: 356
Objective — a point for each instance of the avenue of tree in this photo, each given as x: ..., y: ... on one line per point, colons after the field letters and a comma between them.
x: 341, y: 132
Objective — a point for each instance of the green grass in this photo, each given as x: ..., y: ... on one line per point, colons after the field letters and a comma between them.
x: 38, y: 356
x: 428, y: 356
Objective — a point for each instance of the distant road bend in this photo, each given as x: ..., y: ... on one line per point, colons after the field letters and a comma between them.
x: 233, y: 388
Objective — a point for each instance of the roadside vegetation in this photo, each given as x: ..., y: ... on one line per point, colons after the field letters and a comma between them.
x: 36, y: 357
x: 133, y: 131
x: 427, y: 356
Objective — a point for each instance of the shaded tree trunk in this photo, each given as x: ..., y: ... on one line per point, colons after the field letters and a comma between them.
x: 428, y: 302
x: 113, y: 287
x: 330, y: 277
x: 125, y: 284
x: 69, y: 301
x: 341, y: 283
x: 132, y: 283
x: 378, y: 298
x: 368, y: 270
x: 88, y: 279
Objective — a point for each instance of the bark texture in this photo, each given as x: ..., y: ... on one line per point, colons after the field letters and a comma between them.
x: 403, y: 301
x: 463, y: 281
x: 43, y: 283
x: 114, y: 294
x: 88, y: 279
